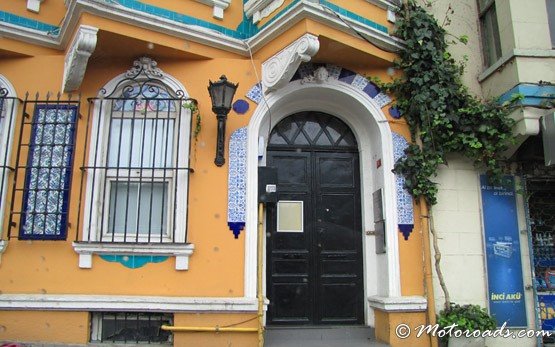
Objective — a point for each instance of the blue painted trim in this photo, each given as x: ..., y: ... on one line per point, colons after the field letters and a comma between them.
x: 406, y: 229
x: 236, y: 227
x: 134, y: 261
x: 534, y: 94
x: 26, y: 22
x: 245, y: 30
x: 68, y: 167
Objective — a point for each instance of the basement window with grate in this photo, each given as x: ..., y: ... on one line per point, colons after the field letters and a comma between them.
x: 137, y: 328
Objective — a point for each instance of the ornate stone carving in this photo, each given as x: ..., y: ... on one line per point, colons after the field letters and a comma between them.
x: 146, y: 66
x: 320, y: 75
x: 219, y: 7
x: 77, y: 57
x: 278, y: 70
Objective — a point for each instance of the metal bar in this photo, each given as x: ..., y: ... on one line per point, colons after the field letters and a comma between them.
x: 129, y: 173
x: 154, y: 135
x: 85, y: 153
x: 165, y: 167
x: 141, y: 177
x: 208, y: 329
x: 75, y: 119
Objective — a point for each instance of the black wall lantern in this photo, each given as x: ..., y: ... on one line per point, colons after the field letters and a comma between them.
x: 221, y: 93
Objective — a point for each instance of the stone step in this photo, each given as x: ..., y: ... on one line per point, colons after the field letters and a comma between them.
x: 332, y: 336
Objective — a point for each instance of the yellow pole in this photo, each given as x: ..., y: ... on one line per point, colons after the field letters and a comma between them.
x: 209, y: 329
x: 259, y: 287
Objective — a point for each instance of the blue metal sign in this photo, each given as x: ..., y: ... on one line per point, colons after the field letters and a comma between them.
x: 504, y: 266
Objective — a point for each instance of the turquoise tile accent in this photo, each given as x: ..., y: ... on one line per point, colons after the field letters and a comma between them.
x: 134, y: 261
x: 354, y: 16
x: 245, y: 30
x: 26, y: 22
x: 533, y: 94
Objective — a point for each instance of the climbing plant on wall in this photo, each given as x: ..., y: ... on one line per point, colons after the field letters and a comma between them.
x: 442, y: 115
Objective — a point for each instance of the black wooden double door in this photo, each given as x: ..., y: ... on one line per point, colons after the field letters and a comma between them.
x: 315, y: 277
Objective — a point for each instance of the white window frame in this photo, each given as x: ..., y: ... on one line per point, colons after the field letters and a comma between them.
x: 6, y: 142
x: 124, y: 176
x: 90, y: 242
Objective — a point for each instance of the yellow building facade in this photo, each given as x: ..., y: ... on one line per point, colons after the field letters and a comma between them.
x: 116, y: 218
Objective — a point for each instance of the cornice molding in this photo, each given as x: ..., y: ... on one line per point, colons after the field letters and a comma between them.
x: 278, y: 70
x: 61, y: 302
x: 259, y: 9
x: 304, y: 9
x: 218, y: 5
x: 386, y: 4
x: 77, y: 57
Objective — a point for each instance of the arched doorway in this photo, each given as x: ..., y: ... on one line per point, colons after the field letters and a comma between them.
x: 315, y: 269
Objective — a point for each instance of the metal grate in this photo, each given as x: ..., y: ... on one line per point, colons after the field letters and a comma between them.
x: 130, y: 327
x: 8, y: 107
x: 133, y: 173
x: 541, y: 218
x: 44, y: 161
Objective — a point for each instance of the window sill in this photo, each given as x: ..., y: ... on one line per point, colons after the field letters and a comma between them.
x: 181, y: 252
x: 515, y: 53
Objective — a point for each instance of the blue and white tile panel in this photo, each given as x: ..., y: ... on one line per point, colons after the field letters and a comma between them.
x: 335, y: 73
x: 237, y: 181
x: 405, y: 212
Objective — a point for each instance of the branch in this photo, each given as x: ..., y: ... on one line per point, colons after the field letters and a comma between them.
x: 437, y: 257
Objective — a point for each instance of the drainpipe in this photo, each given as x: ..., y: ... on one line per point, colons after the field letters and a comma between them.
x: 259, y: 284
x: 428, y: 279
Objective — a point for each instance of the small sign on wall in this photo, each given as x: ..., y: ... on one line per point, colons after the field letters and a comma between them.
x: 379, y: 221
x: 289, y: 216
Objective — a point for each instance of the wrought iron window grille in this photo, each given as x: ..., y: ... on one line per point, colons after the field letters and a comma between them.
x: 130, y: 327
x: 43, y: 169
x: 135, y: 168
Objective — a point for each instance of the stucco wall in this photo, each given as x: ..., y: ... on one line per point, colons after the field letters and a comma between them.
x: 464, y: 21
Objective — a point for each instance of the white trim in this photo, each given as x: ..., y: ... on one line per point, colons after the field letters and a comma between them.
x: 515, y: 53
x: 259, y: 9
x: 77, y: 57
x: 34, y: 5
x: 53, y: 302
x: 399, y: 304
x: 181, y: 252
x: 219, y: 7
x: 303, y: 9
x: 306, y: 9
x: 6, y: 142
x: 386, y: 4
x: 370, y: 126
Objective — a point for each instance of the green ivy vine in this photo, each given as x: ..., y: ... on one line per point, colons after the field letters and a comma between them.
x: 442, y: 115
x: 192, y: 105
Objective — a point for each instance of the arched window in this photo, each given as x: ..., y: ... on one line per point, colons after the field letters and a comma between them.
x: 138, y: 162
